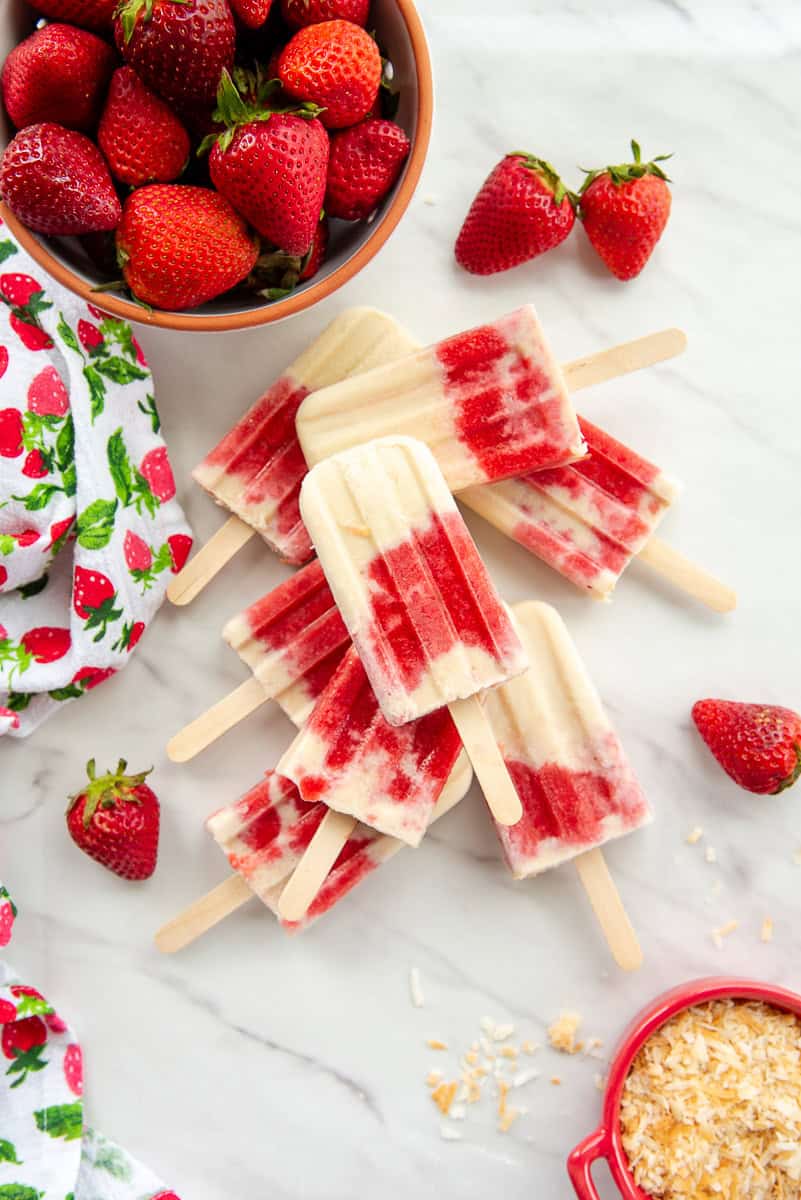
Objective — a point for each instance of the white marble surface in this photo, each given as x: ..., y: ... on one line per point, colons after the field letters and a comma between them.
x: 257, y: 1066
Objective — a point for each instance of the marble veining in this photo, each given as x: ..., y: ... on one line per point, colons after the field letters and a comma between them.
x: 259, y: 1066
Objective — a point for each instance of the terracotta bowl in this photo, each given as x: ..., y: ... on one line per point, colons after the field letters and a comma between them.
x: 606, y: 1142
x: 353, y: 245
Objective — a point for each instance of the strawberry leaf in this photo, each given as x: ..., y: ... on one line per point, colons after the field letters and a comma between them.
x: 148, y: 407
x: 6, y: 250
x: 119, y: 370
x: 8, y: 1153
x: 67, y: 335
x: 39, y: 497
x: 19, y: 1191
x: 63, y: 1121
x: 34, y: 588
x: 97, y: 391
x: 95, y: 525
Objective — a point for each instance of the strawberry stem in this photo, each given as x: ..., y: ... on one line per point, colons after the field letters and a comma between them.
x: 626, y: 172
x: 548, y: 174
x: 106, y: 790
x: 244, y: 98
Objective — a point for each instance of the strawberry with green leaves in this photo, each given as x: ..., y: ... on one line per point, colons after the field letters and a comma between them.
x: 46, y: 643
x: 624, y: 211
x: 522, y: 210
x: 335, y: 65
x: 270, y: 164
x: 25, y: 296
x: 758, y: 745
x: 143, y: 563
x: 24, y: 1041
x: 115, y: 820
x: 94, y: 598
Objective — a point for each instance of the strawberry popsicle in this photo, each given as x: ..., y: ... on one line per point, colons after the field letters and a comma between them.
x: 490, y: 403
x: 586, y: 520
x: 574, y: 781
x: 347, y: 755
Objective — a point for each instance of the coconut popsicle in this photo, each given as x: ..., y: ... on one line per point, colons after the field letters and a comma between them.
x: 588, y: 519
x: 490, y: 403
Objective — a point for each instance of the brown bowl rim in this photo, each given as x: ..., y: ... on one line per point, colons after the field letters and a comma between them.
x: 291, y: 305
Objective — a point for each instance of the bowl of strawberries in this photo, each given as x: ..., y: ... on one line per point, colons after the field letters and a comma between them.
x: 210, y: 164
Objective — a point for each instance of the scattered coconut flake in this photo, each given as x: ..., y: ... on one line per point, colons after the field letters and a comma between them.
x: 430, y: 200
x: 725, y: 1123
x: 436, y: 1044
x: 416, y: 988
x: 530, y: 1047
x: 458, y: 1112
x: 766, y: 933
x: 711, y: 854
x: 528, y: 1075
x: 600, y: 1082
x: 695, y: 835
x: 502, y: 1032
x: 556, y: 1080
x: 562, y: 1033
x: 449, y: 1134
x: 444, y: 1095
x: 509, y: 1052
x: 723, y: 932
x: 433, y: 1078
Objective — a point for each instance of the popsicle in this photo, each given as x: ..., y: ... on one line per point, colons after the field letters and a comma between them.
x: 256, y: 470
x: 575, y: 784
x: 264, y: 847
x: 348, y: 756
x: 490, y: 403
x: 293, y: 639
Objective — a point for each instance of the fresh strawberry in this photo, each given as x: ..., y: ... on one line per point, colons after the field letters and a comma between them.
x: 252, y: 13
x: 181, y: 246
x: 297, y: 13
x: 365, y: 162
x: 179, y: 48
x: 47, y: 395
x: 90, y: 14
x: 625, y: 210
x: 115, y: 820
x: 131, y: 633
x: 91, y: 677
x: 522, y: 210
x: 60, y: 74
x: 34, y: 466
x: 93, y: 598
x: 335, y: 65
x: 10, y: 433
x: 73, y: 1069
x: 180, y: 545
x: 90, y: 336
x: 155, y: 468
x: 138, y: 555
x: 319, y: 249
x: 142, y: 139
x: 758, y: 745
x: 57, y: 182
x: 23, y: 1042
x: 271, y: 167
x: 47, y: 644
x: 26, y: 299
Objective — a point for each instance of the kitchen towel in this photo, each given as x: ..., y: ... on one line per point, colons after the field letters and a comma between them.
x: 90, y: 529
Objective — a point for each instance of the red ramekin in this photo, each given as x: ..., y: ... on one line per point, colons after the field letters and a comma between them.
x: 606, y: 1141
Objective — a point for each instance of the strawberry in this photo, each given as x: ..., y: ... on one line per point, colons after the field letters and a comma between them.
x: 28, y: 537
x: 91, y: 14
x: 90, y: 336
x: 297, y: 13
x: 33, y: 337
x: 3, y: 360
x: 142, y: 139
x: 319, y: 248
x: 522, y: 210
x: 179, y: 48
x: 155, y: 468
x: 165, y: 1196
x: 181, y: 246
x: 758, y: 745
x: 130, y: 636
x: 3, y: 578
x: 23, y: 1042
x: 26, y: 299
x: 59, y: 531
x: 10, y: 433
x: 8, y: 910
x: 57, y: 182
x: 91, y: 677
x: 115, y: 820
x: 625, y: 210
x: 47, y: 644
x: 138, y: 555
x: 252, y: 13
x: 73, y: 1069
x: 60, y: 74
x: 93, y: 598
x: 34, y: 466
x: 55, y: 1024
x: 180, y: 545
x: 365, y: 162
x: 8, y: 1012
x: 335, y: 65
x: 271, y: 166
x: 47, y: 395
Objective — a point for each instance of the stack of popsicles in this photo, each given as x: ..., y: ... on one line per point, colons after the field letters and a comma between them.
x: 381, y: 649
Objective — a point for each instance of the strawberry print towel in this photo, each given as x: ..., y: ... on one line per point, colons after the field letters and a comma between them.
x: 47, y: 1152
x: 90, y: 530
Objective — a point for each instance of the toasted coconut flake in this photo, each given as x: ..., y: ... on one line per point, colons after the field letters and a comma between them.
x: 562, y: 1033
x: 711, y: 854
x: 444, y: 1095
x: 556, y: 1080
x: 766, y: 932
x: 695, y: 835
x: 416, y: 988
x: 711, y: 1109
x: 436, y: 1044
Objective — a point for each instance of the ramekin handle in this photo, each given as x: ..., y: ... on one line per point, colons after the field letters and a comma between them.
x: 579, y: 1164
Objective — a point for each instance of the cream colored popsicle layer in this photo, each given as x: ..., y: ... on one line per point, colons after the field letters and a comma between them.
x: 412, y: 590
x: 575, y: 783
x: 490, y: 403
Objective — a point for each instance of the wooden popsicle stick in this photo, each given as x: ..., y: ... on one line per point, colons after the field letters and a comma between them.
x: 485, y: 755
x: 210, y: 559
x: 310, y: 874
x: 684, y: 574
x: 203, y: 915
x: 623, y: 359
x: 216, y: 721
x: 608, y: 908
